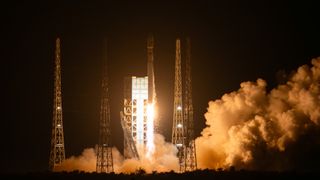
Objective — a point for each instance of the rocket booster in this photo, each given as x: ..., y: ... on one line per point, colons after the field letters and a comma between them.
x: 151, y: 83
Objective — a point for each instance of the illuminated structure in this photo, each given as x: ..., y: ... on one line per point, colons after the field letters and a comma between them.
x: 178, y: 134
x: 191, y: 158
x: 135, y: 110
x: 137, y: 117
x: 182, y: 129
x: 130, y: 149
x: 151, y: 97
x: 57, y: 151
x: 104, y: 162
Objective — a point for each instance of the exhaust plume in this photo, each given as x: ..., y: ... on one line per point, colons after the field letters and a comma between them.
x: 163, y: 159
x: 85, y: 162
x: 254, y: 129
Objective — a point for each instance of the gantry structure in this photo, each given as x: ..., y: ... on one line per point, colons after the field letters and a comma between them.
x: 57, y: 150
x: 104, y: 162
x: 183, y: 128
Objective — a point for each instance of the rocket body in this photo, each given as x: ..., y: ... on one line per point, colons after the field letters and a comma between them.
x: 151, y: 84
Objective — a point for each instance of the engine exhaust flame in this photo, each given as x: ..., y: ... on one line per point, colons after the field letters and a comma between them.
x: 150, y: 130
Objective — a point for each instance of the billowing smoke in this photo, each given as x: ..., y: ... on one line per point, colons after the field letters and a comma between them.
x: 164, y: 159
x: 254, y: 129
x: 86, y: 162
x: 250, y: 128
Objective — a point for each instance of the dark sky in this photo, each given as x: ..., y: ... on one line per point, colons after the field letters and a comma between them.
x: 232, y: 42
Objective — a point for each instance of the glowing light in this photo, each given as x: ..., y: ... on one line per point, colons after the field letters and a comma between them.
x: 140, y: 117
x: 179, y: 108
x: 139, y: 112
x: 179, y: 145
x: 150, y: 129
x: 59, y: 125
x: 179, y: 126
x: 58, y: 107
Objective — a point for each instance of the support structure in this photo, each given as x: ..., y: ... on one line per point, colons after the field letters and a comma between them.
x: 57, y: 151
x: 135, y: 113
x: 103, y: 148
x: 178, y: 134
x: 129, y: 142
x: 137, y: 119
x: 191, y: 158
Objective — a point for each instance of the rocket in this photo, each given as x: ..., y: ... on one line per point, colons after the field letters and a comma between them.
x: 150, y: 71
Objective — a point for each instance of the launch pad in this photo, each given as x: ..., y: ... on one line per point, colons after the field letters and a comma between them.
x: 138, y: 116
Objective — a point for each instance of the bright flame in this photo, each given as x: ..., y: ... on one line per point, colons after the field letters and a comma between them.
x: 150, y: 129
x: 140, y: 117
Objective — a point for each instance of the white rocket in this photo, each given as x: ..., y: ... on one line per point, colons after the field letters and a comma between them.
x: 151, y: 83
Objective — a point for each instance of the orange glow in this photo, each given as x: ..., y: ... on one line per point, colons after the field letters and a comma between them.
x: 150, y: 129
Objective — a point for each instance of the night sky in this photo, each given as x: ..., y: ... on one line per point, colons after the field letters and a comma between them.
x: 232, y: 42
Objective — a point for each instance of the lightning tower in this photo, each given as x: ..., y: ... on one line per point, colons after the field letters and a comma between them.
x: 178, y: 134
x: 57, y: 151
x: 191, y: 159
x: 104, y: 148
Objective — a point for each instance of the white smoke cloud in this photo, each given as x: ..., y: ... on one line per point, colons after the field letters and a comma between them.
x: 163, y: 159
x: 251, y: 128
x: 248, y: 128
x: 85, y: 162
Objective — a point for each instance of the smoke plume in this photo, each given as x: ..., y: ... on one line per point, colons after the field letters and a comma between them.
x: 249, y: 128
x: 254, y: 129
x: 163, y: 159
x: 85, y: 162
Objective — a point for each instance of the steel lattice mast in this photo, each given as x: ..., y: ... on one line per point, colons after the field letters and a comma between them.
x: 191, y: 158
x: 57, y: 151
x: 178, y: 134
x: 104, y: 148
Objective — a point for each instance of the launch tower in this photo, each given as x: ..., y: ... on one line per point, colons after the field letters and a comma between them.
x: 182, y: 129
x: 57, y: 151
x: 191, y: 158
x: 178, y: 129
x: 104, y: 148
